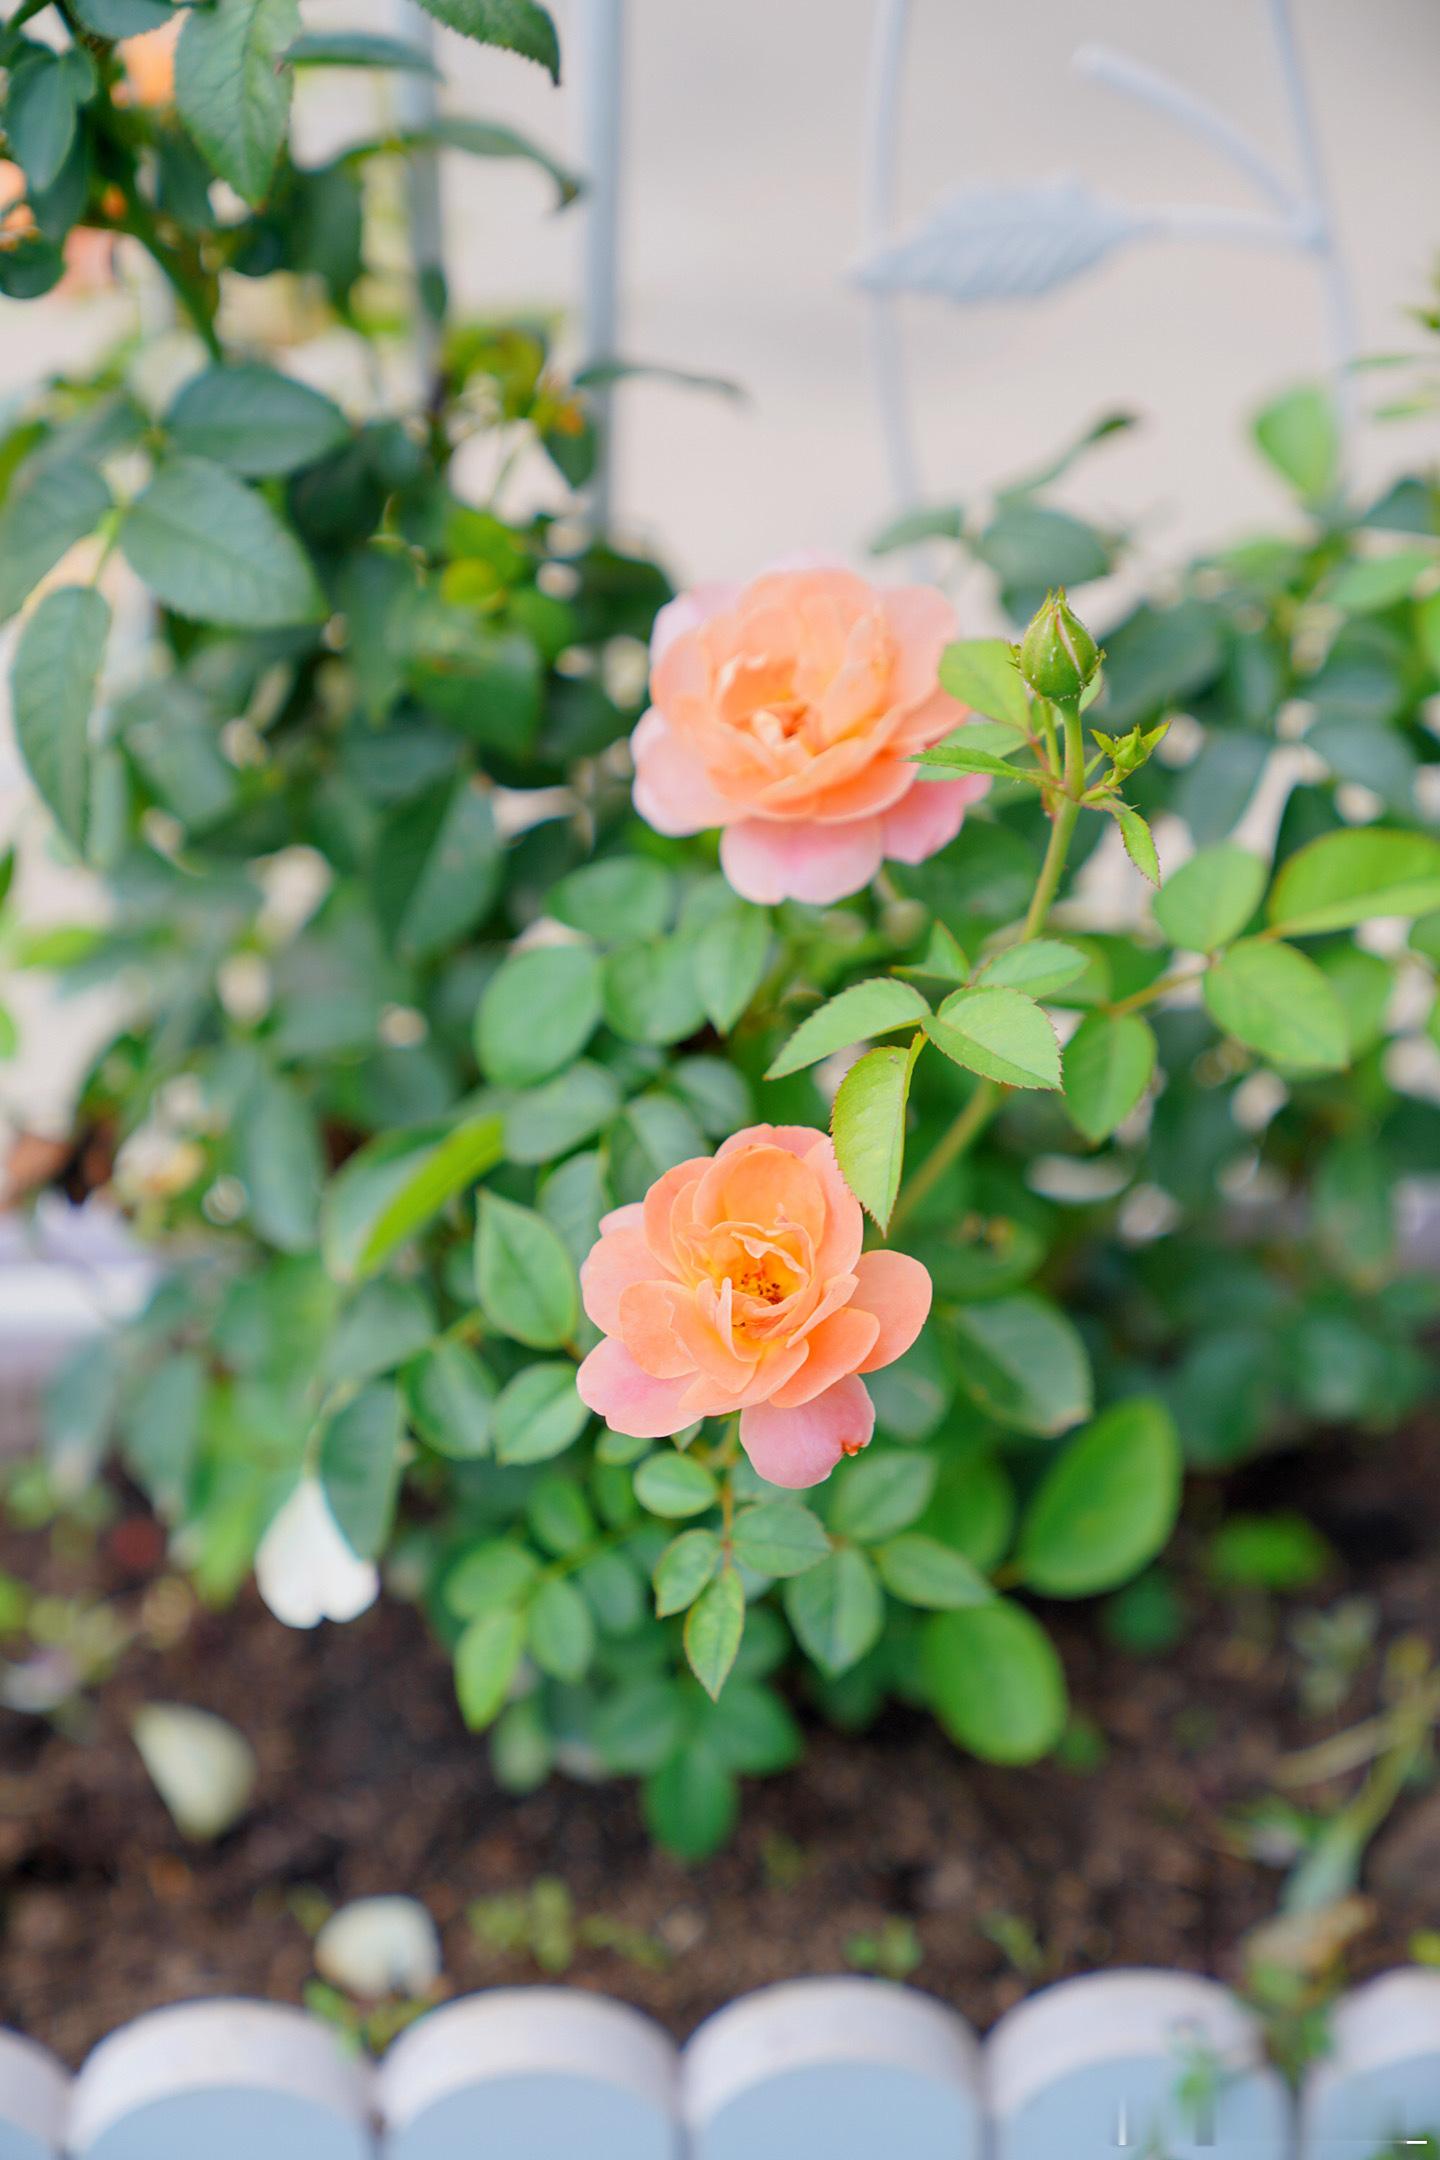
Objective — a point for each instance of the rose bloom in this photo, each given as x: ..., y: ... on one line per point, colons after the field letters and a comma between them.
x: 89, y: 255
x: 738, y: 1284
x: 786, y: 712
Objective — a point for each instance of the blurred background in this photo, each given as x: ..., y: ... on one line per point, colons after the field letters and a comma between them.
x: 742, y: 181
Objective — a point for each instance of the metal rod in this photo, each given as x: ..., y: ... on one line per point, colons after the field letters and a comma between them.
x: 600, y: 72
x: 1339, y: 298
x: 417, y: 108
x: 885, y: 82
x: 1131, y: 78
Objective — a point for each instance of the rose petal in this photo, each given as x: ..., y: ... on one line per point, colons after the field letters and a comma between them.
x: 928, y: 818
x: 686, y: 612
x: 651, y: 1324
x: 621, y: 1259
x: 801, y: 1447
x: 306, y: 1570
x: 897, y: 1290
x: 672, y: 790
x: 767, y: 860
x: 837, y: 1348
x: 630, y: 1401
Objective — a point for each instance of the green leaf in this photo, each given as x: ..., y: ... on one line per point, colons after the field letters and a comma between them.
x: 449, y: 1396
x: 714, y: 1626
x: 867, y: 1123
x: 672, y: 1485
x: 524, y: 1276
x: 537, y: 1013
x: 1373, y: 582
x: 934, y: 521
x: 487, y: 1657
x: 622, y: 897
x: 994, y: 1682
x: 360, y: 49
x: 639, y: 1727
x: 752, y: 1732
x: 779, y: 1538
x: 42, y: 106
x: 1355, y: 876
x: 490, y: 1578
x: 281, y: 1161
x: 1209, y: 900
x: 519, y: 26
x: 46, y: 513
x: 212, y: 549
x: 437, y: 867
x: 1425, y: 936
x: 1000, y: 1034
x: 562, y: 1631
x: 1355, y: 1210
x: 1275, y: 1001
x: 881, y: 1494
x: 919, y: 1570
x: 560, y: 1516
x: 30, y: 265
x: 384, y: 1325
x: 983, y: 674
x: 1109, y: 1061
x: 1106, y: 1507
x: 360, y: 1467
x: 728, y: 956
x: 539, y: 1414
x: 57, y: 666
x: 836, y: 1610
x: 1024, y: 1363
x: 547, y: 1122
x: 691, y: 1803
x: 942, y: 961
x: 865, y: 1009
x: 982, y: 747
x: 683, y: 1569
x: 1031, y: 548
x: 1138, y: 839
x: 255, y: 421
x: 395, y: 1185
x: 651, y: 994
x: 233, y: 89
x: 125, y: 18
x: 485, y: 139
x: 1300, y: 436
x: 1039, y: 968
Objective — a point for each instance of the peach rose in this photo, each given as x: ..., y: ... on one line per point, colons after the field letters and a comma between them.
x: 738, y: 1284
x: 786, y: 711
x: 149, y: 63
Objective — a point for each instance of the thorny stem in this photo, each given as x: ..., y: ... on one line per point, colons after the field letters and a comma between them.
x: 978, y: 1111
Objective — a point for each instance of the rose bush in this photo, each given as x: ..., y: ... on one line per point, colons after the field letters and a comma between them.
x: 447, y: 1025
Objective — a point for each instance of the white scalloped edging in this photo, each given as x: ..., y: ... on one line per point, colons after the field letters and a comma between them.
x: 841, y: 2069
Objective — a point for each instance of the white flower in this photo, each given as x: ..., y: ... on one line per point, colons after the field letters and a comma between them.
x: 306, y: 1570
x: 380, y: 1946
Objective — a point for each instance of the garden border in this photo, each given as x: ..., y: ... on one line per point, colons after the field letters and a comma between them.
x: 833, y: 2067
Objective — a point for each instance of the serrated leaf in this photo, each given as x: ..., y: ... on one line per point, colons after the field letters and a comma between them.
x: 1209, y: 900
x: 687, y: 1564
x: 538, y: 1414
x: 714, y: 1626
x: 1138, y: 838
x: 983, y: 674
x: 1106, y: 1507
x: 882, y: 1494
x: 46, y: 513
x: 233, y: 89
x: 999, y: 1033
x: 255, y: 421
x: 537, y: 1013
x: 57, y: 666
x: 1024, y: 1363
x: 212, y: 549
x: 995, y: 1682
x: 779, y: 1538
x: 1351, y: 877
x: 729, y: 957
x: 867, y: 1123
x: 1109, y: 1061
x: 836, y: 1610
x: 525, y: 1279
x: 1039, y: 968
x: 919, y: 1570
x: 358, y: 49
x: 487, y: 1657
x: 672, y: 1485
x: 519, y: 26
x: 1275, y: 1001
x: 865, y: 1009
x: 561, y: 1631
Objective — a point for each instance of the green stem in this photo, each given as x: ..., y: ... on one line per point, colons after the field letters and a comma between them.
x: 987, y: 1098
x: 139, y: 222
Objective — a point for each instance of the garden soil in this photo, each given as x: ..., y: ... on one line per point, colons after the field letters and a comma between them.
x: 889, y: 1846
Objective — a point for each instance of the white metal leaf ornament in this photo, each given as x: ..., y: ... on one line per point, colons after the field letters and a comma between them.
x: 1004, y: 243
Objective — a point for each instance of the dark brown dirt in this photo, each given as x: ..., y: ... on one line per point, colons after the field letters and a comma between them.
x: 369, y: 1784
